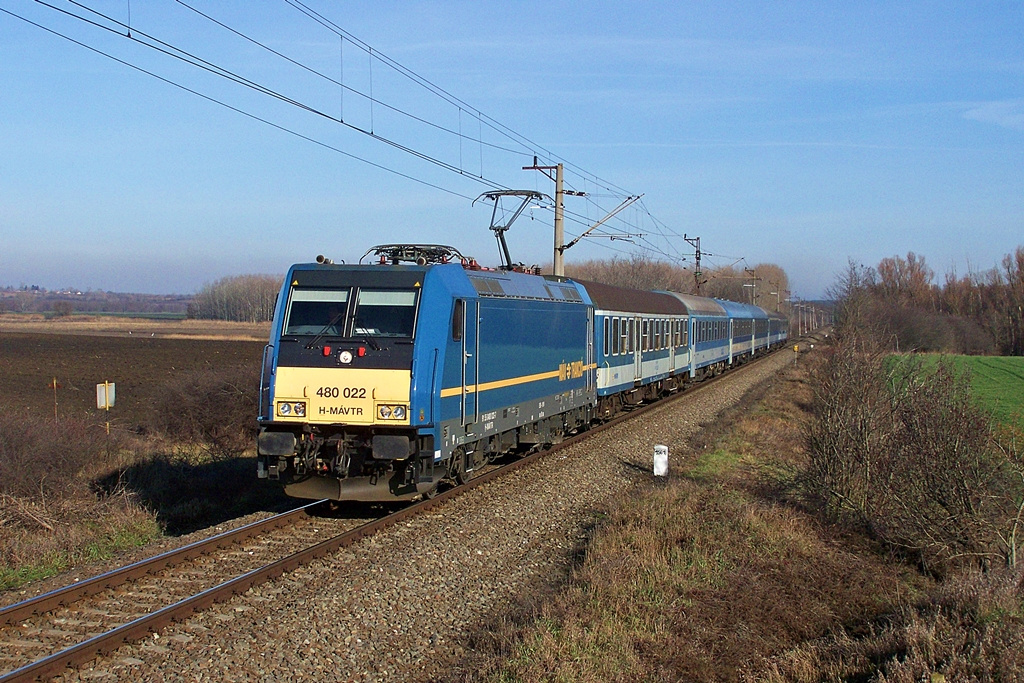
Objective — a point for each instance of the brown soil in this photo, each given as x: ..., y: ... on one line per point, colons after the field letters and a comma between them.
x: 138, y: 365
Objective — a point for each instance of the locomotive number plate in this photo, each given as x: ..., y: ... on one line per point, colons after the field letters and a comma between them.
x: 343, y: 392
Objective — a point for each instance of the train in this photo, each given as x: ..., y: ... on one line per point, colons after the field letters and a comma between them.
x: 389, y: 380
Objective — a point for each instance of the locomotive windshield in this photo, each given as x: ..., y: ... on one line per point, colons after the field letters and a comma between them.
x: 333, y: 312
x: 317, y: 311
x: 385, y: 313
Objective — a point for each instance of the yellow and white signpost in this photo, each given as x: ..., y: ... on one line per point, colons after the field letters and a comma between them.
x: 105, y: 398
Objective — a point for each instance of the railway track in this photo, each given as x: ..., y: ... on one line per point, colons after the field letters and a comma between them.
x: 52, y: 632
x: 66, y: 627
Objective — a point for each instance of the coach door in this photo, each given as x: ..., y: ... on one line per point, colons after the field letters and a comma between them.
x: 639, y: 339
x: 728, y: 325
x: 590, y: 350
x: 471, y: 362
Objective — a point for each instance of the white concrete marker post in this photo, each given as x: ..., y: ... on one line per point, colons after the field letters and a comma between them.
x: 661, y: 461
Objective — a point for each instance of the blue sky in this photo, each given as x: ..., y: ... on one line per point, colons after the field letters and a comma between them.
x: 802, y: 134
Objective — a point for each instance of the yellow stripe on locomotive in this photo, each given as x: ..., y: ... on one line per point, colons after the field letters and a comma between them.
x: 342, y: 396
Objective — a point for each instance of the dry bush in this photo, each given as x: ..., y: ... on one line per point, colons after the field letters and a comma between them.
x: 213, y: 409
x: 907, y: 453
x: 42, y: 459
x: 697, y: 579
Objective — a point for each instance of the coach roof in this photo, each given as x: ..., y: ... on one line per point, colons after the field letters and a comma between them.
x: 609, y: 298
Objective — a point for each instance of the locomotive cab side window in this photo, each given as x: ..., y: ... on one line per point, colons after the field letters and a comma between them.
x: 458, y: 319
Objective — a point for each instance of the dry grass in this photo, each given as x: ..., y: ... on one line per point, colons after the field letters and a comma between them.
x: 40, y: 538
x: 121, y: 326
x: 50, y: 516
x: 721, y: 576
x: 970, y: 628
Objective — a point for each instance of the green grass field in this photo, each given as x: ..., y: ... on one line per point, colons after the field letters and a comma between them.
x: 998, y: 382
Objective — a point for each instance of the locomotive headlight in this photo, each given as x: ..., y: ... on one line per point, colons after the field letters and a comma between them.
x: 392, y: 412
x: 290, y: 408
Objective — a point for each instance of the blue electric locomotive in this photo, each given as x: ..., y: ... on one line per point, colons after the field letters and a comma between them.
x: 380, y: 381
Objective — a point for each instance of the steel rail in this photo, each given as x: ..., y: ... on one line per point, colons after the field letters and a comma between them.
x: 143, y: 626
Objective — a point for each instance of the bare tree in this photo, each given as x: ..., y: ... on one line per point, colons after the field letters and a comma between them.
x: 241, y: 298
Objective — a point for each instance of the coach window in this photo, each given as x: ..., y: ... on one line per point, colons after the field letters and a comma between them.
x: 458, y: 319
x: 624, y: 342
x: 614, y: 350
x: 607, y: 336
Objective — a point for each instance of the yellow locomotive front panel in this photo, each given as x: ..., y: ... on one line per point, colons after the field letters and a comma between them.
x: 352, y: 396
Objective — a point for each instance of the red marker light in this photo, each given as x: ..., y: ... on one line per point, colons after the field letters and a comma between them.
x: 327, y: 350
x: 361, y: 352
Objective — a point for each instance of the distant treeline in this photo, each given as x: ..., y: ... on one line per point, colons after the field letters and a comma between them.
x: 898, y: 304
x: 36, y: 300
x: 241, y: 298
x: 766, y: 283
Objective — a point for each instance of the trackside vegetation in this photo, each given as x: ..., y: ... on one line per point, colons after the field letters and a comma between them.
x: 735, y: 571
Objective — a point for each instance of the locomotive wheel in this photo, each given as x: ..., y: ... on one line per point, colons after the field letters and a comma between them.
x: 457, y: 467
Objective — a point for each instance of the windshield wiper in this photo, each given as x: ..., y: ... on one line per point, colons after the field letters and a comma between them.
x: 369, y: 342
x: 322, y: 333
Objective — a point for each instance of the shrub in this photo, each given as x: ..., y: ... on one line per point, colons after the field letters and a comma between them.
x: 907, y: 453
x: 214, y: 409
x: 40, y: 458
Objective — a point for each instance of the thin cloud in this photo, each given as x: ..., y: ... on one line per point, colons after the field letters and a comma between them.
x: 1005, y: 113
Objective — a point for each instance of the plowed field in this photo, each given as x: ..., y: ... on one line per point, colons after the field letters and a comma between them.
x: 138, y: 366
